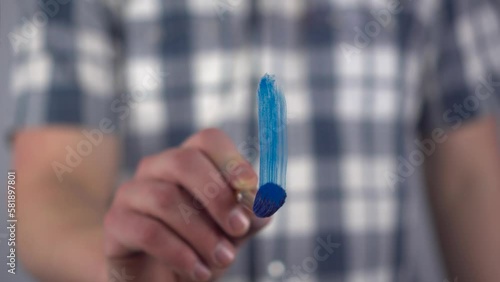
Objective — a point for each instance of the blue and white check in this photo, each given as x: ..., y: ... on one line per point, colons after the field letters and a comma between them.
x: 363, y: 80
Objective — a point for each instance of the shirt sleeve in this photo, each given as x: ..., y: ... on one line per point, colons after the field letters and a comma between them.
x: 65, y: 57
x: 465, y: 82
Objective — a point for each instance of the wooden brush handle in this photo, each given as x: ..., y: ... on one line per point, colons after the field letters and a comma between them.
x: 247, y: 198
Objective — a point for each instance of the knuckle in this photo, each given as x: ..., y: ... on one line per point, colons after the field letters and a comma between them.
x: 147, y: 234
x: 144, y: 164
x: 164, y: 197
x: 121, y: 196
x: 185, y: 157
x: 210, y: 134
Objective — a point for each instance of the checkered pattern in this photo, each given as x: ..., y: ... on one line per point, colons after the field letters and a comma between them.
x: 360, y: 88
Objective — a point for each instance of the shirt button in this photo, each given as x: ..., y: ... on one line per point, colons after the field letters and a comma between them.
x: 276, y: 269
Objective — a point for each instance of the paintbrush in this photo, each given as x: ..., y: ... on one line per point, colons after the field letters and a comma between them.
x: 273, y: 149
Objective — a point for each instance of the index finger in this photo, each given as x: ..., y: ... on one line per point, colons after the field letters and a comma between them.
x: 221, y: 150
x: 238, y: 172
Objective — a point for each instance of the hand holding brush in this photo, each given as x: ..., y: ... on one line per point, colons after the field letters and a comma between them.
x: 179, y: 218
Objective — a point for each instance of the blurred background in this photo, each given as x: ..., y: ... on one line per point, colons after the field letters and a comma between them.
x: 8, y: 13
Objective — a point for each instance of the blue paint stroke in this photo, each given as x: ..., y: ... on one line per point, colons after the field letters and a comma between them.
x: 273, y: 148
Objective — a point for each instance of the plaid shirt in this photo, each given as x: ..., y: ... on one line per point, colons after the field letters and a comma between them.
x: 363, y: 80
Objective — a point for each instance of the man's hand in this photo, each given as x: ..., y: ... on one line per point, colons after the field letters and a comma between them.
x: 178, y: 219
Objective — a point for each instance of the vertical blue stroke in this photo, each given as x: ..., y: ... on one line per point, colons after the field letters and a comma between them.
x: 273, y: 148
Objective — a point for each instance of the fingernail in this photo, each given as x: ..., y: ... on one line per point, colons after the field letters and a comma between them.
x: 201, y: 272
x: 246, y: 179
x: 223, y: 254
x: 239, y: 222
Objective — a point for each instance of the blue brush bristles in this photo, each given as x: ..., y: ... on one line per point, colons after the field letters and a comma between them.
x: 273, y: 148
